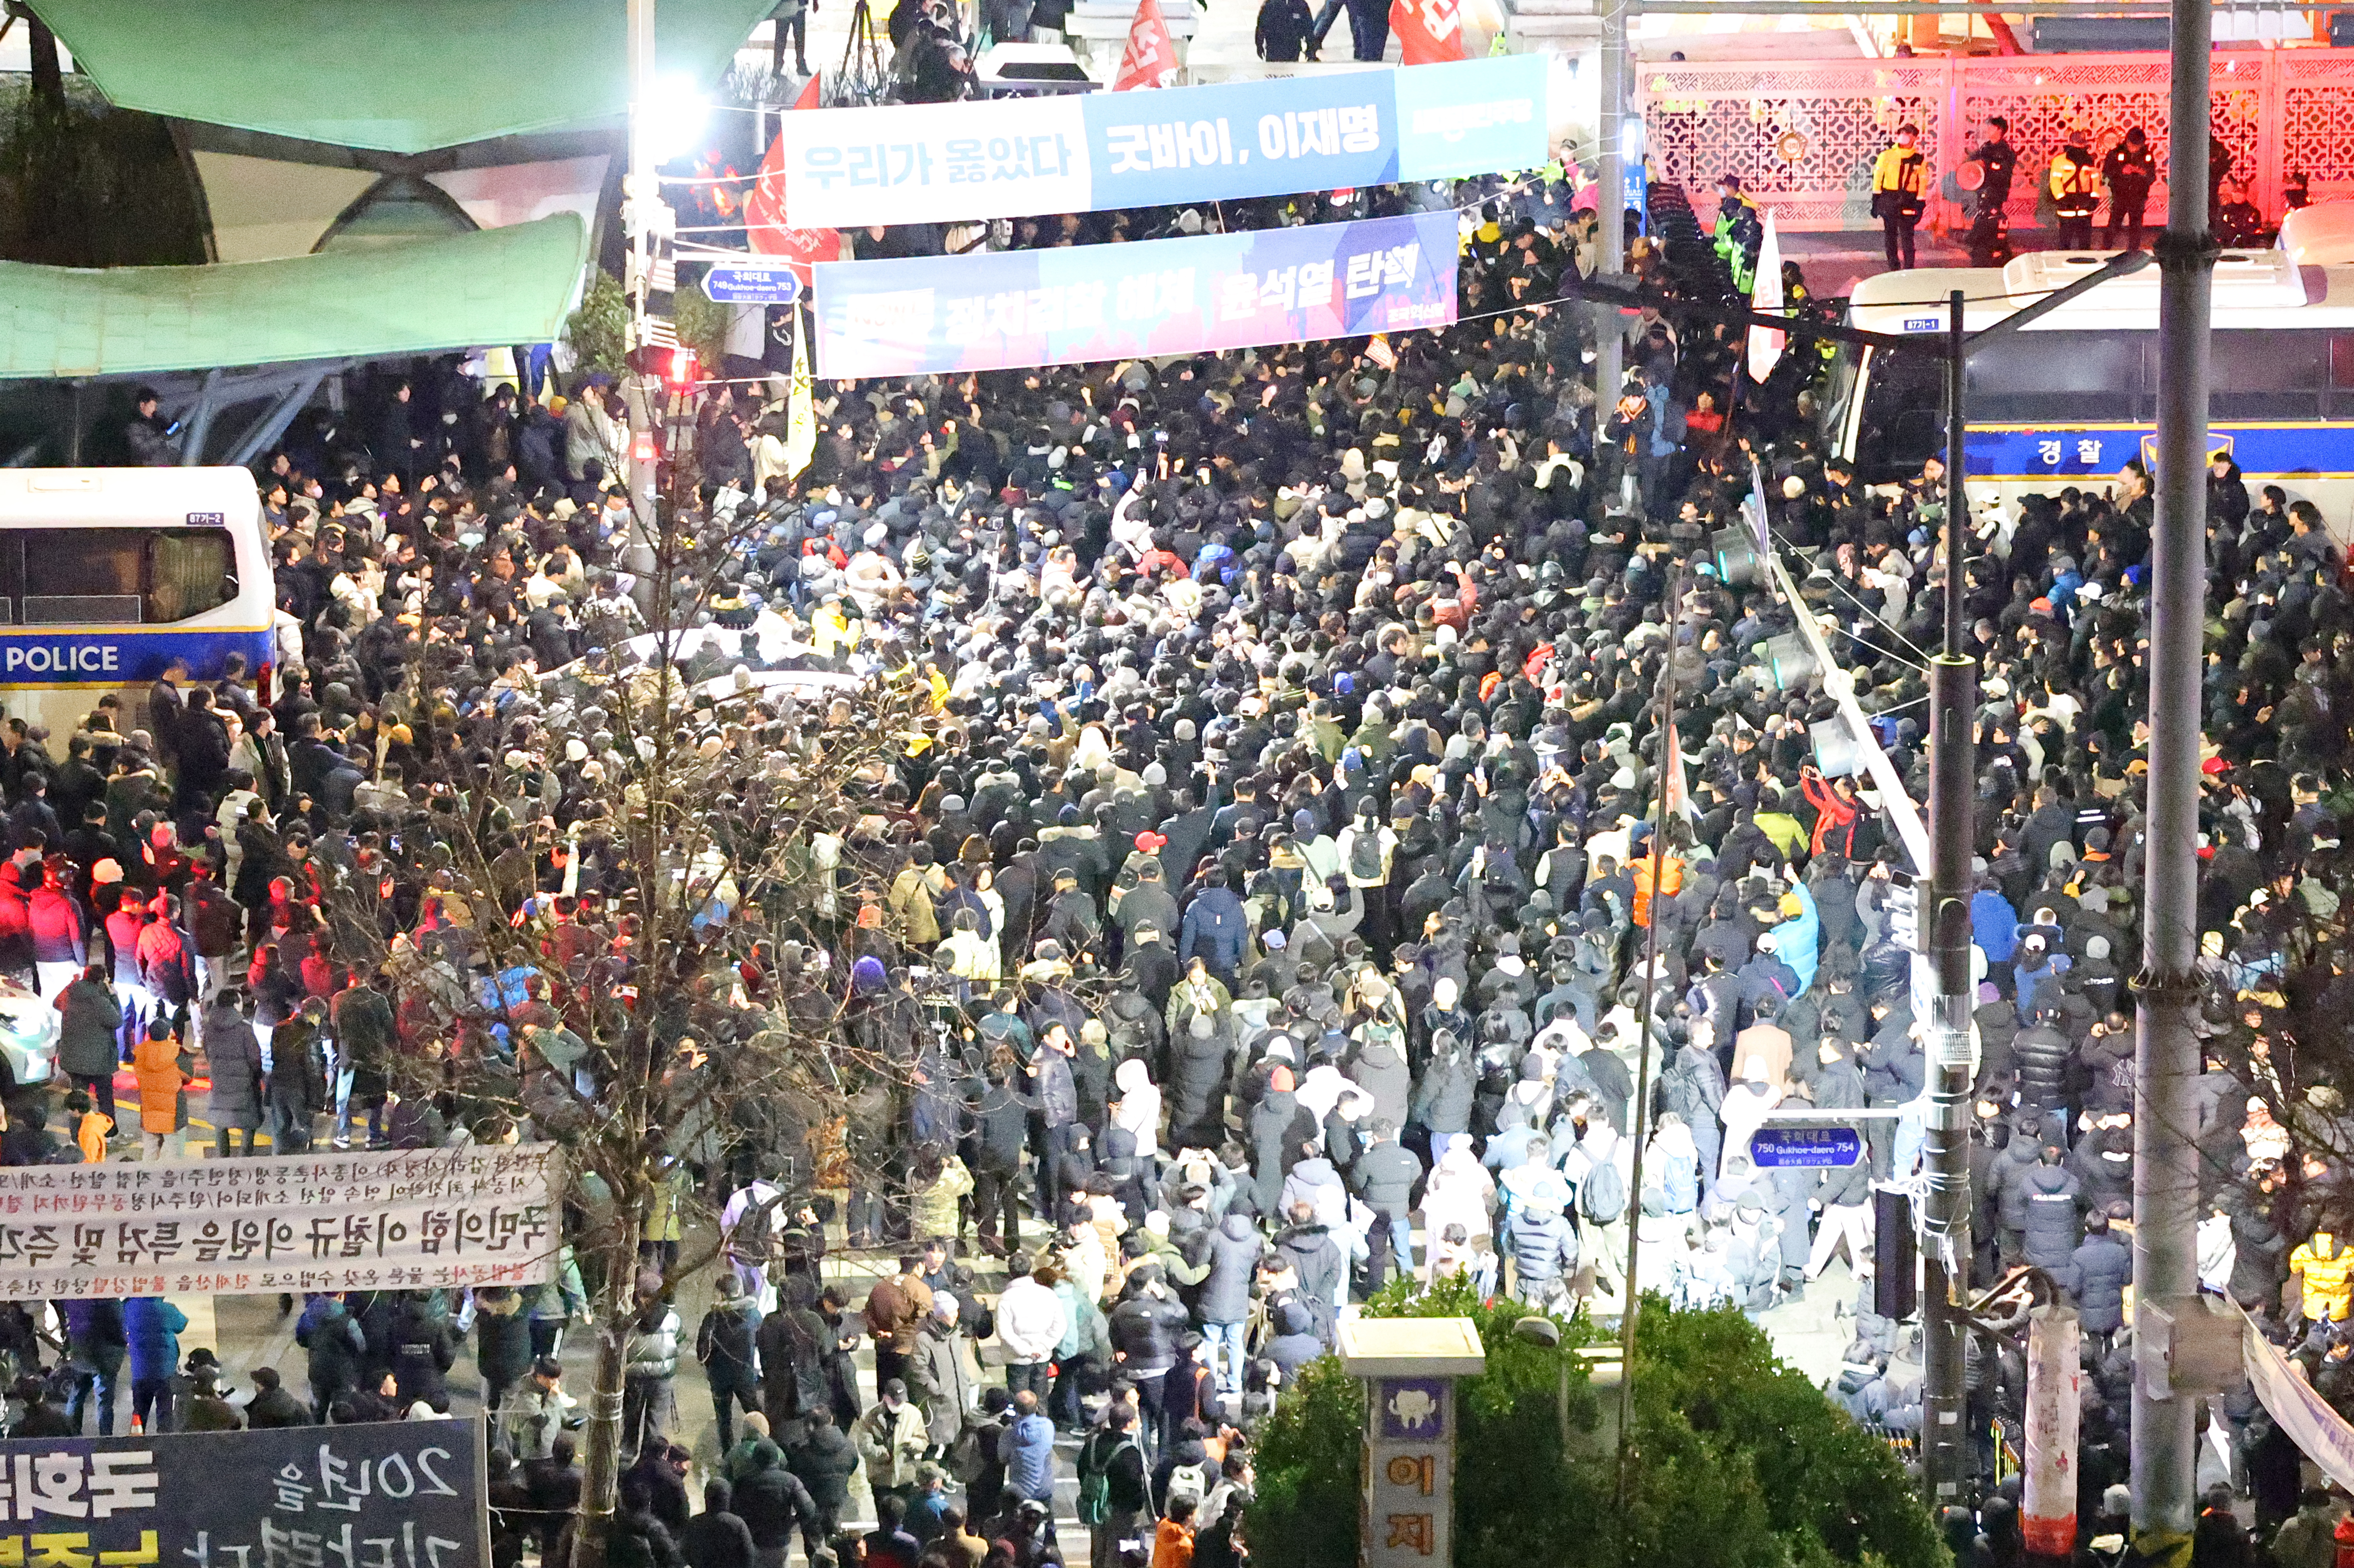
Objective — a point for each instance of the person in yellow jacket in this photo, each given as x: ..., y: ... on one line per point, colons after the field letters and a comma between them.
x: 833, y: 628
x: 1900, y: 177
x: 2324, y: 1270
x: 2075, y: 182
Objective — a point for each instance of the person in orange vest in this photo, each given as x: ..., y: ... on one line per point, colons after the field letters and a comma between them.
x: 1660, y: 861
x: 2076, y: 181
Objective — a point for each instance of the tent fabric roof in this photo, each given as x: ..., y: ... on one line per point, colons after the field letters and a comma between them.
x: 407, y: 76
x: 509, y: 285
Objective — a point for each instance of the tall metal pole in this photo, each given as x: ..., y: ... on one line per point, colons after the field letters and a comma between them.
x: 640, y: 185
x: 2165, y: 1059
x: 1610, y: 255
x: 1640, y: 1122
x: 1945, y: 932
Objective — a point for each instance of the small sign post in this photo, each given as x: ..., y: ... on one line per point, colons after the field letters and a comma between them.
x: 1409, y: 1366
x: 751, y: 284
x: 1805, y: 1148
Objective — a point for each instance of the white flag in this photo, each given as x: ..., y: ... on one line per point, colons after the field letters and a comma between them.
x: 1765, y: 295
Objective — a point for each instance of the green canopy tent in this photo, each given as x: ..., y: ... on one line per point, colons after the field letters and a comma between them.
x: 395, y: 76
x: 495, y: 286
x: 272, y: 330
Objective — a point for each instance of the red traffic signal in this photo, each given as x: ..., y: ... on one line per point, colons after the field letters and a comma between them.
x: 679, y: 372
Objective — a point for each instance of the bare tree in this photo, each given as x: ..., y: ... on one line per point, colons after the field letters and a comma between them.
x: 708, y: 1027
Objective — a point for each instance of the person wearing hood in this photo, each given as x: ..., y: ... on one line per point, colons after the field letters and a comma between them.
x: 1319, y: 1267
x: 937, y: 1373
x: 1136, y: 1111
x: 1277, y: 1127
x: 1294, y: 1344
x: 1223, y: 1304
x: 2053, y: 1228
x: 1380, y: 1069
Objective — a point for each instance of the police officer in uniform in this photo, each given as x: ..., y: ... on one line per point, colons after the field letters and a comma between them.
x: 1899, y: 177
x: 1990, y: 226
x: 2075, y: 191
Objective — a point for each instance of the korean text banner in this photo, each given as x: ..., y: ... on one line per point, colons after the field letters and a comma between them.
x: 995, y: 311
x: 403, y: 1220
x: 390, y: 1494
x: 1018, y: 157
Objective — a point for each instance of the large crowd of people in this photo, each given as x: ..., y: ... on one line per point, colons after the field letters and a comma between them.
x: 1276, y: 902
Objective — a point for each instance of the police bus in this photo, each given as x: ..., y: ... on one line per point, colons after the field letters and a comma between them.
x: 2073, y: 397
x: 109, y: 575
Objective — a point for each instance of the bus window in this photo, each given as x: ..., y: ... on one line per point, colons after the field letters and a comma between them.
x: 120, y: 576
x: 2266, y: 374
x: 1902, y: 423
x: 189, y: 572
x: 2055, y: 377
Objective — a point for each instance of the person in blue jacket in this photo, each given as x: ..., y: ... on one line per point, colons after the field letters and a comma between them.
x: 152, y: 1326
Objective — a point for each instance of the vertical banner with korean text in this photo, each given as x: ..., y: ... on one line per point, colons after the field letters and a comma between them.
x: 1409, y: 1472
x: 1081, y: 304
x: 401, y: 1219
x: 392, y: 1494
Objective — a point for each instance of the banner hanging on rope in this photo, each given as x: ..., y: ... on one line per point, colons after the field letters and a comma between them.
x: 996, y: 311
x: 1024, y: 157
x: 398, y: 1219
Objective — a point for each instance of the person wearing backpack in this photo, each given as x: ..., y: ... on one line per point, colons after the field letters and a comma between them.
x: 1384, y: 1177
x: 1185, y: 1471
x: 1112, y: 1494
x: 1365, y: 851
x: 1595, y: 1167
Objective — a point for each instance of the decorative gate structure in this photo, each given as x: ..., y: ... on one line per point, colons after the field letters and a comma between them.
x: 1802, y: 135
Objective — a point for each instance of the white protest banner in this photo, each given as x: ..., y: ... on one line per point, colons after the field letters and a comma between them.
x: 2320, y: 1432
x: 402, y: 1219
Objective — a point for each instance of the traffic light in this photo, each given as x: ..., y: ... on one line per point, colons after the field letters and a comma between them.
x: 1737, y: 557
x: 1790, y: 662
x: 678, y: 371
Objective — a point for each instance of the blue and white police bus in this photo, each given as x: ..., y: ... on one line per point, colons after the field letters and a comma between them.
x: 2071, y: 398
x: 107, y: 574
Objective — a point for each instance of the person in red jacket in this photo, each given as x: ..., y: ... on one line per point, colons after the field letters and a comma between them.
x: 1835, y: 812
x: 58, y: 947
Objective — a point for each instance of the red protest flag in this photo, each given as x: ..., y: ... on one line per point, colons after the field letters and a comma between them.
x: 1152, y: 57
x: 1429, y: 31
x: 764, y: 211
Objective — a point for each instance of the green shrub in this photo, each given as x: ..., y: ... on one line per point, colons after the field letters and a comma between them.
x: 1738, y: 1461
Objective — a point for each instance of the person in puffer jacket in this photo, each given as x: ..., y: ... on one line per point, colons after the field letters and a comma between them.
x: 423, y: 1349
x: 2052, y: 1230
x: 1544, y: 1254
x: 1027, y: 1448
x: 649, y: 1371
x: 1223, y: 1305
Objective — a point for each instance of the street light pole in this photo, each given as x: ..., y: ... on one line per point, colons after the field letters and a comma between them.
x: 1945, y: 935
x: 2165, y: 1055
x: 1638, y: 1120
x: 1610, y: 254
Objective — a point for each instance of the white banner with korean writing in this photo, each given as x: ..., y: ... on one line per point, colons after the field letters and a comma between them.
x: 400, y: 1219
x: 2319, y: 1432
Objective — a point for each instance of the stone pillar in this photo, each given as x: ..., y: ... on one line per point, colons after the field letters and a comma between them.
x: 1409, y: 1366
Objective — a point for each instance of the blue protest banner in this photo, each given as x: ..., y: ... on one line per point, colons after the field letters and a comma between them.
x: 1020, y: 157
x: 1000, y: 309
x: 1805, y: 1148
